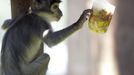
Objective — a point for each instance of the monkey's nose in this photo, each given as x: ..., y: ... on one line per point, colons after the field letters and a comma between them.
x: 61, y: 14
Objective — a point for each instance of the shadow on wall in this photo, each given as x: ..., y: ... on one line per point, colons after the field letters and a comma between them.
x: 124, y: 38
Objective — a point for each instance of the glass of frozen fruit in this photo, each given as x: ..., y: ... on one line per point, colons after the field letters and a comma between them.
x: 101, y: 17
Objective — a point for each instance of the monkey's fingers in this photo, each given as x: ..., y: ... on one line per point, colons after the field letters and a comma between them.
x: 87, y: 13
x: 88, y: 16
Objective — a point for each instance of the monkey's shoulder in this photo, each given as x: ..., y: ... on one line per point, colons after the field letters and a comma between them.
x: 31, y: 20
x: 30, y: 23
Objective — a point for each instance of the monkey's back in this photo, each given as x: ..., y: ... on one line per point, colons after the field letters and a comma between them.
x: 16, y: 41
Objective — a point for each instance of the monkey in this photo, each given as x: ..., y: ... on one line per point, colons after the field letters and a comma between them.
x: 22, y: 45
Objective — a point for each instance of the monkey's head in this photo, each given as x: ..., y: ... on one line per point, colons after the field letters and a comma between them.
x: 47, y: 9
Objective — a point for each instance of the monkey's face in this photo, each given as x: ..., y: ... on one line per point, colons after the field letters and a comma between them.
x: 56, y: 12
x: 47, y: 11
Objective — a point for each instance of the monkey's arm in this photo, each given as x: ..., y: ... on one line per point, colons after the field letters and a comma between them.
x: 53, y: 38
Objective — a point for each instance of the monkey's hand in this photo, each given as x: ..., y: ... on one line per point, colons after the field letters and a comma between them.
x: 84, y: 17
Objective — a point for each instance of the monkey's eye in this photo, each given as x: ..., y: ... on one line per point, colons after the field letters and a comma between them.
x: 56, y: 6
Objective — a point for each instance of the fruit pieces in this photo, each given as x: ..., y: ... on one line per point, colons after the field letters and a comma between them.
x: 99, y: 21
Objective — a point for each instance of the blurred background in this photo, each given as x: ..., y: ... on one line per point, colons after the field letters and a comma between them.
x: 85, y: 52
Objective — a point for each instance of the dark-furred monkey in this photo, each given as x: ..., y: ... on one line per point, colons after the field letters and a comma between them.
x: 22, y: 47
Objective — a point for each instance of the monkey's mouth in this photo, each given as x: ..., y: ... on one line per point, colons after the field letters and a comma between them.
x: 58, y: 17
